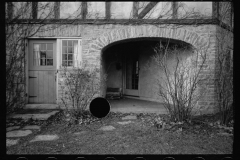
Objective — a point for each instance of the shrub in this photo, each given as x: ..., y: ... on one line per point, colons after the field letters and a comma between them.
x: 80, y: 86
x: 179, y: 84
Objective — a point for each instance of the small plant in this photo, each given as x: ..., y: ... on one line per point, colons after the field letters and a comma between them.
x: 80, y: 86
x: 159, y: 123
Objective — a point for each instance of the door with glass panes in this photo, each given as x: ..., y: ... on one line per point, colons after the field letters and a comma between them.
x: 42, y: 71
x: 131, y: 75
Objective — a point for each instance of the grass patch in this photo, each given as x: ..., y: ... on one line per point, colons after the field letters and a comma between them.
x: 139, y: 137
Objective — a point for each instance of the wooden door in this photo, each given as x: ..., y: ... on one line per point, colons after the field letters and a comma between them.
x: 42, y: 72
x: 132, y: 75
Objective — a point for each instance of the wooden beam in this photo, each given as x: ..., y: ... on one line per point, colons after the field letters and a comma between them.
x: 34, y: 10
x: 108, y: 10
x: 232, y: 12
x: 10, y: 10
x: 147, y: 9
x: 174, y: 10
x: 84, y: 10
x: 117, y: 21
x: 135, y: 10
x: 57, y: 10
x: 215, y: 10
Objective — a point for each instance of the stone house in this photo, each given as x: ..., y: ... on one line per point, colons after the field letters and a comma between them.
x: 120, y: 42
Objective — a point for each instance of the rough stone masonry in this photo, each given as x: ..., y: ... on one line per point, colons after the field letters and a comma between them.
x: 96, y: 37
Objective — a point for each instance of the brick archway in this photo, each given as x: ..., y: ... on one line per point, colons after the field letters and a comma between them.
x: 190, y: 37
x: 198, y: 40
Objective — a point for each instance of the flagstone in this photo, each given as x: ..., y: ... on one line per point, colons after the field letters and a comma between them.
x: 10, y: 142
x: 125, y: 122
x: 129, y: 117
x: 45, y: 138
x: 81, y: 132
x: 32, y: 127
x: 12, y: 128
x: 18, y: 133
x: 107, y: 128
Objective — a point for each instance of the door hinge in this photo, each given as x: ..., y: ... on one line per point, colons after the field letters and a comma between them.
x: 32, y: 77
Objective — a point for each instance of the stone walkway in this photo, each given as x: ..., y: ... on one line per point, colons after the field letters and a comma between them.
x: 18, y: 132
x: 14, y: 133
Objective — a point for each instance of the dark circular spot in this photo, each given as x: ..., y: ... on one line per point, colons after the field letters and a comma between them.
x: 139, y: 158
x: 168, y: 158
x: 99, y: 107
x: 227, y: 158
x: 51, y: 158
x: 21, y: 158
x: 198, y: 158
x: 80, y: 158
x: 110, y: 158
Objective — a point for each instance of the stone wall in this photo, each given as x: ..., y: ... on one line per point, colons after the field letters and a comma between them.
x: 96, y: 37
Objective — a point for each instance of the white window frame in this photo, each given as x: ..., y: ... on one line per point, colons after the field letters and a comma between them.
x: 79, y: 52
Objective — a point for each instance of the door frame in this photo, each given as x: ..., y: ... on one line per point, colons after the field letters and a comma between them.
x: 27, y: 60
x: 125, y: 76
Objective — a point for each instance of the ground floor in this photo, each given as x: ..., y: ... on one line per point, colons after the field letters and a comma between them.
x: 126, y: 54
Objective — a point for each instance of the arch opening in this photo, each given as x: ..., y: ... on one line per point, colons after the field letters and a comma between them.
x: 129, y: 65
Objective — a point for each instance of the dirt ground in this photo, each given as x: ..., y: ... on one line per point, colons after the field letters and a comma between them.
x: 139, y: 137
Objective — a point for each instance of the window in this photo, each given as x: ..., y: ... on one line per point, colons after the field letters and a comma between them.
x: 70, y: 53
x: 43, y: 54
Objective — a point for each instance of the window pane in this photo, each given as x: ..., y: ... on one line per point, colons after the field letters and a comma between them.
x: 64, y: 49
x: 70, y: 57
x: 49, y: 54
x: 49, y: 46
x: 43, y: 54
x: 70, y: 43
x: 64, y: 43
x: 64, y: 57
x: 36, y: 47
x: 43, y: 46
x: 70, y: 63
x: 43, y: 62
x: 75, y: 47
x: 36, y: 55
x: 36, y: 62
x: 64, y: 63
x: 49, y: 62
x: 70, y: 50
